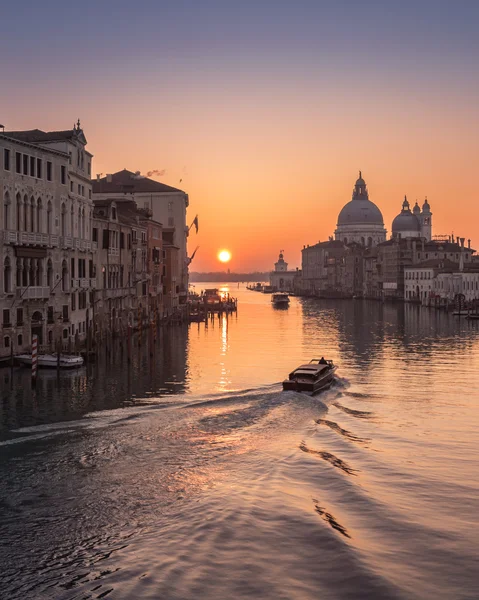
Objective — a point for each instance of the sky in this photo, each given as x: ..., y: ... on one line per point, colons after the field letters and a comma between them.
x: 264, y: 111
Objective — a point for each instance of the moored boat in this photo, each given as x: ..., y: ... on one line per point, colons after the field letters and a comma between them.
x: 312, y: 377
x: 51, y: 361
x: 280, y: 299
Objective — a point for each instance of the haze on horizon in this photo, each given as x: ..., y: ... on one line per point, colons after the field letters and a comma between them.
x: 263, y: 113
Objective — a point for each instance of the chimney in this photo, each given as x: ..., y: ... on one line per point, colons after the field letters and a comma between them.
x: 452, y: 238
x: 98, y: 177
x: 108, y: 178
x: 469, y: 244
x: 461, y: 256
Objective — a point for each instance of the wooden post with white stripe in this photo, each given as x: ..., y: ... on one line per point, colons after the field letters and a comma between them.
x: 34, y: 357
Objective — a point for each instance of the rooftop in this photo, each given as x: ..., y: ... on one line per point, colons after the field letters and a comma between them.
x: 127, y: 182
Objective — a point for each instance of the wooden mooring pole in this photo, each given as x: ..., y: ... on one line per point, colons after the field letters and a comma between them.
x: 34, y: 358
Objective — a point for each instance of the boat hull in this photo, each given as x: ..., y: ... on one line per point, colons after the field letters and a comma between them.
x: 312, y: 387
x: 50, y: 361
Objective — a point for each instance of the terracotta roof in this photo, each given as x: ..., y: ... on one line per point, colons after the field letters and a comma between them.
x: 125, y: 182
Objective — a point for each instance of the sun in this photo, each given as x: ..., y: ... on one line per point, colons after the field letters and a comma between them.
x: 224, y: 255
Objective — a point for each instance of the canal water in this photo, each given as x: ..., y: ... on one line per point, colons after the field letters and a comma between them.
x: 192, y: 475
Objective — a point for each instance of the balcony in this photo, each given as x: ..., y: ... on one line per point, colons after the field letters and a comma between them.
x: 119, y: 292
x: 83, y: 283
x: 33, y: 293
x: 26, y: 238
x: 113, y: 252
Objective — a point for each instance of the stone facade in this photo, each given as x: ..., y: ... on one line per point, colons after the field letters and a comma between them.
x: 46, y: 247
x: 281, y: 279
x: 167, y: 205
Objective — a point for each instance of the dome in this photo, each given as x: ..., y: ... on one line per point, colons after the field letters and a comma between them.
x: 416, y: 210
x: 425, y: 206
x: 406, y: 221
x: 360, y: 209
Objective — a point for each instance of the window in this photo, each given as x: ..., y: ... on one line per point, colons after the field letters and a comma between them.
x: 20, y: 339
x: 79, y: 189
x: 18, y: 162
x: 25, y: 164
x: 50, y: 318
x: 89, y: 168
x: 122, y: 240
x: 49, y: 170
x: 6, y: 341
x: 7, y: 277
x: 63, y: 175
x: 65, y: 332
x: 73, y: 300
x: 89, y: 194
x: 19, y: 316
x: 95, y: 234
x: 32, y: 166
x: 65, y: 313
x: 71, y: 186
x: 39, y: 168
x: 6, y: 159
x: 6, y: 317
x: 113, y: 212
x: 73, y: 268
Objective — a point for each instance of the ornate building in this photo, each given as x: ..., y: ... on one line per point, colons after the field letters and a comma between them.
x: 360, y: 220
x: 45, y: 240
x: 282, y: 279
x: 415, y: 224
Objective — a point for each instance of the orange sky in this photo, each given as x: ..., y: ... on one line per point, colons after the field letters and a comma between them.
x: 267, y: 121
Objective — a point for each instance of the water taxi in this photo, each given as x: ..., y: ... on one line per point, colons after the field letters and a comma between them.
x: 51, y: 361
x: 280, y: 299
x: 312, y: 377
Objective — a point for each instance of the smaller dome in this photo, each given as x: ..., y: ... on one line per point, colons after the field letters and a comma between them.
x: 425, y: 206
x: 406, y: 221
x: 416, y: 210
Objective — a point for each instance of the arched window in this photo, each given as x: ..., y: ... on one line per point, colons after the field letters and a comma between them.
x: 19, y: 212
x: 64, y: 220
x: 49, y: 273
x: 363, y: 242
x: 370, y: 241
x: 20, y: 339
x: 25, y: 213
x: 64, y: 276
x: 7, y: 276
x: 6, y: 341
x: 83, y: 223
x: 39, y: 216
x: 50, y: 337
x: 32, y: 213
x: 80, y: 224
x: 72, y: 221
x: 49, y: 217
x: 6, y: 211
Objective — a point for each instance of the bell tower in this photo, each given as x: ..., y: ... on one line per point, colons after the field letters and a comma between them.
x: 426, y: 221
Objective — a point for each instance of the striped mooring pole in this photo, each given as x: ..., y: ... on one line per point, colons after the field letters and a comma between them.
x: 34, y: 356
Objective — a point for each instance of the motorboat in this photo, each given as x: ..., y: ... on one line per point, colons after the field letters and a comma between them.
x: 280, y: 299
x: 312, y: 377
x: 267, y: 289
x: 51, y: 361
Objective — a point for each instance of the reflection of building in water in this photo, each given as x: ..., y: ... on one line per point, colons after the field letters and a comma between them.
x: 106, y: 384
x: 281, y: 279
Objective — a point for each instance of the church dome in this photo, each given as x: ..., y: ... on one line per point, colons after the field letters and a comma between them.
x: 406, y: 221
x: 360, y: 209
x: 425, y: 207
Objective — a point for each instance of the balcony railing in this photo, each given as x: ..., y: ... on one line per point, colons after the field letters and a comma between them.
x: 29, y: 238
x: 113, y: 251
x: 119, y: 292
x: 33, y: 292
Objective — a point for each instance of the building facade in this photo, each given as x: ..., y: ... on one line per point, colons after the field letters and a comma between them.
x: 281, y: 279
x: 46, y: 247
x: 167, y: 205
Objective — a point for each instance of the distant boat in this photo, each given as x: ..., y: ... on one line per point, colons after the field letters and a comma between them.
x: 313, y: 377
x: 267, y: 289
x: 280, y: 299
x: 51, y: 361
